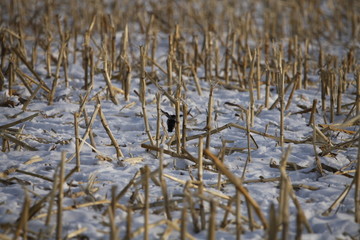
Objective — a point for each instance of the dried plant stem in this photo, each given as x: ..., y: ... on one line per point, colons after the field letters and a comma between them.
x: 339, y: 199
x: 158, y: 119
x: 238, y: 215
x: 340, y: 90
x: 34, y: 93
x: 125, y: 68
x: 167, y: 94
x: 2, y: 80
x: 77, y: 141
x: 221, y: 156
x: 357, y: 185
x: 357, y: 75
x: 258, y: 72
x: 248, y: 144
x: 84, y: 100
x: 232, y: 53
x: 167, y: 232
x: 194, y: 213
x: 146, y: 177
x: 37, y: 207
x: 17, y: 141
x: 55, y: 81
x: 9, y: 125
x: 299, y: 227
x: 212, y: 221
x: 52, y: 198
x: 163, y: 186
x: 126, y: 188
x: 113, y: 235
x: 48, y: 55
x: 184, y: 126
x: 112, y: 43
x: 200, y: 161
x: 196, y: 79
x: 275, y: 75
x: 267, y: 89
x: 65, y: 63
x: 225, y: 220
x: 201, y: 183
x: 241, y: 81
x: 324, y: 84
x: 284, y: 195
x: 281, y: 79
x: 86, y: 51
x: 297, y: 79
x: 306, y: 56
x: 210, y: 191
x: 317, y: 159
x: 143, y: 94
x: 226, y: 65
x: 177, y: 127
x: 183, y: 219
x: 11, y: 75
x: 34, y: 175
x: 127, y: 82
x: 238, y: 185
x: 301, y: 215
x: 181, y: 82
x: 22, y: 227
x: 91, y: 135
x: 250, y: 216
x: 129, y: 220
x: 320, y: 57
x: 28, y: 65
x: 217, y: 60
x: 332, y: 97
x: 155, y: 63
x: 125, y: 41
x: 251, y: 88
x: 76, y: 233
x: 273, y: 224
x: 169, y: 72
x: 108, y: 82
x: 313, y: 112
x: 25, y: 79
x: 208, y: 57
x: 209, y: 117
x: 105, y: 124
x: 92, y: 70
x: 114, y: 231
x: 195, y: 44
x: 171, y: 153
x: 87, y: 132
x: 89, y: 125
x: 60, y: 197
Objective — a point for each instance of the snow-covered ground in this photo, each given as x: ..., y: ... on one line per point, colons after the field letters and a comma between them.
x: 51, y: 132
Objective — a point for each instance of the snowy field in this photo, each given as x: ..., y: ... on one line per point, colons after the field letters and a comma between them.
x: 113, y: 185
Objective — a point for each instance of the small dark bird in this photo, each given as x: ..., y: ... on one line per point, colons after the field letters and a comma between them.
x: 171, y: 121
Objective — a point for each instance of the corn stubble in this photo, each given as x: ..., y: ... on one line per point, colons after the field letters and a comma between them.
x: 225, y: 40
